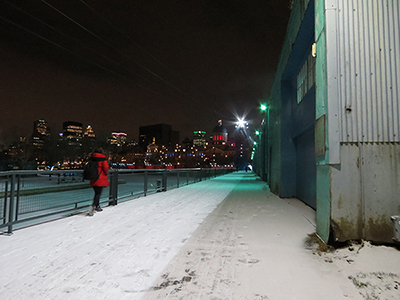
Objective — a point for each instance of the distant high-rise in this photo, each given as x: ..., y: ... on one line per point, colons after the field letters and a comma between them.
x: 89, y: 132
x: 73, y: 133
x: 118, y: 139
x: 41, y: 134
x: 219, y: 134
x: 199, y: 138
x: 159, y: 134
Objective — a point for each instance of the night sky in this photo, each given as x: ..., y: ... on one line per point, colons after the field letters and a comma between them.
x: 118, y: 65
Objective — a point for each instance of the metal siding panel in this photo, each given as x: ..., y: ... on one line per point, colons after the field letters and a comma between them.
x: 346, y: 197
x: 396, y: 71
x: 364, y: 191
x: 394, y: 13
x: 368, y: 64
x: 332, y: 79
x: 393, y: 39
x: 363, y: 35
x: 380, y: 189
x: 368, y: 26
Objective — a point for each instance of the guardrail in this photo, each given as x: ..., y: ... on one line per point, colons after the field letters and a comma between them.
x: 31, y: 197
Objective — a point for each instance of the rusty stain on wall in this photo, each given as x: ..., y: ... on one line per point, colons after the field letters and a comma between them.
x: 340, y: 202
x: 379, y: 229
x: 344, y: 230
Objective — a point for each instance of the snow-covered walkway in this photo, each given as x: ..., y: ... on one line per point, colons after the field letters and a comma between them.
x: 225, y: 238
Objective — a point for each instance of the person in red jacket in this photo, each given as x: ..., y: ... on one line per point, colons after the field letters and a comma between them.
x: 101, y: 182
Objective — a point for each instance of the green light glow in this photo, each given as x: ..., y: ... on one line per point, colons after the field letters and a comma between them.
x: 263, y: 107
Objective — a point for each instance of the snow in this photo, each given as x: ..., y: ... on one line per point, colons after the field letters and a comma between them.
x: 225, y: 238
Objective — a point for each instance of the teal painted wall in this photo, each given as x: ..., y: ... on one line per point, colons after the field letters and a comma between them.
x: 279, y: 178
x: 276, y: 114
x: 323, y: 183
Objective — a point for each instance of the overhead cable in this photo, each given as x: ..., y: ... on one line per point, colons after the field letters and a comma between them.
x: 104, y: 41
x: 78, y: 55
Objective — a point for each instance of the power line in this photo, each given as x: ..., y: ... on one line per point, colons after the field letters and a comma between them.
x: 187, y: 94
x: 87, y: 30
x: 108, y: 44
x: 80, y: 56
x: 135, y: 43
x: 92, y: 62
x: 130, y: 39
x: 75, y: 40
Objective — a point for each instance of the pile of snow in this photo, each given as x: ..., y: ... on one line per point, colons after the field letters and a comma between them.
x: 374, y: 270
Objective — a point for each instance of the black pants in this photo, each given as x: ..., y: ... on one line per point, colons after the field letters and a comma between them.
x: 97, y: 193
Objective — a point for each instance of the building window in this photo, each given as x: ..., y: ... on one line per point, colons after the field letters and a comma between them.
x: 306, y: 78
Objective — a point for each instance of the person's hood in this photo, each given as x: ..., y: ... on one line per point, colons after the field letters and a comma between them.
x: 98, y: 156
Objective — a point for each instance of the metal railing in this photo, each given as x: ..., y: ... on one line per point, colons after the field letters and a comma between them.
x: 31, y: 197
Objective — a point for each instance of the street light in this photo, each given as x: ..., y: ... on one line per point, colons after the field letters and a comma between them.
x: 241, y: 123
x: 265, y: 145
x: 263, y: 107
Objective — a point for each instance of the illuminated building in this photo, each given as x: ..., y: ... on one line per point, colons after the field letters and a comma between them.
x: 118, y: 139
x: 219, y: 134
x: 73, y: 133
x: 199, y: 138
x: 41, y: 134
x: 89, y: 132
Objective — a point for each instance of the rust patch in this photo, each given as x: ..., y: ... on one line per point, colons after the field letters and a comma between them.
x: 345, y: 230
x: 379, y: 229
x: 340, y: 202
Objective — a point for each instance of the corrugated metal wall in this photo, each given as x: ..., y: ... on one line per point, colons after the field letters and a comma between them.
x: 368, y: 42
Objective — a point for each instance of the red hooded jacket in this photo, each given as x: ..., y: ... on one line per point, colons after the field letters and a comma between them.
x: 103, y: 170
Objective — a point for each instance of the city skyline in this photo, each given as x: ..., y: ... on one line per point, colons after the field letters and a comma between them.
x: 158, y: 147
x: 118, y: 67
x: 51, y: 133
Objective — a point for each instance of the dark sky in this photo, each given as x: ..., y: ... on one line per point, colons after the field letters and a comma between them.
x: 118, y: 65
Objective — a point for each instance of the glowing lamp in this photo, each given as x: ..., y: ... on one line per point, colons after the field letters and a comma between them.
x: 241, y: 123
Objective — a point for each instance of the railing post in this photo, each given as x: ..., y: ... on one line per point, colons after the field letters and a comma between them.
x: 110, y: 176
x: 113, y: 193
x: 5, y: 201
x: 164, y: 181
x: 146, y: 179
x: 17, y: 200
x: 11, y: 206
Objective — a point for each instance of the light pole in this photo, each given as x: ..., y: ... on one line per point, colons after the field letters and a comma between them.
x: 243, y: 142
x: 265, y: 143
